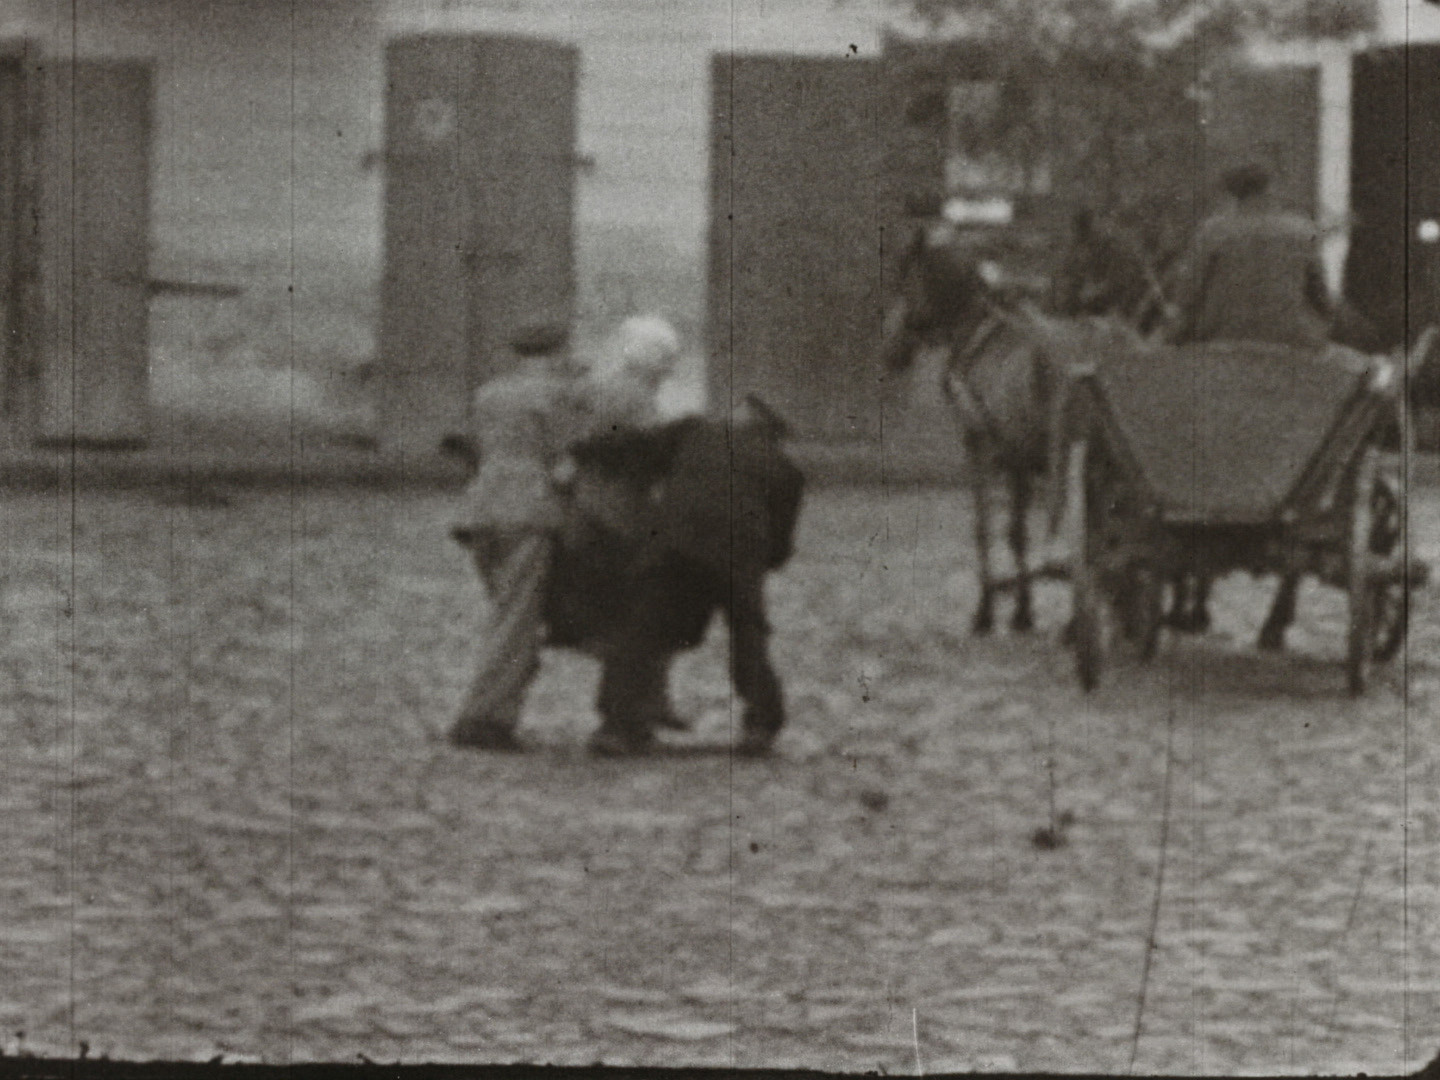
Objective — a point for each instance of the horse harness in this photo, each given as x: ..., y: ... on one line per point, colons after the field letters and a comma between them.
x: 976, y: 417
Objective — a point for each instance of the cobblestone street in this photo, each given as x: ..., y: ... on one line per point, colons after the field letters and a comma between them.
x: 231, y: 824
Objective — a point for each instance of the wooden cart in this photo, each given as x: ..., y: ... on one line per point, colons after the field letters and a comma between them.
x: 1207, y: 460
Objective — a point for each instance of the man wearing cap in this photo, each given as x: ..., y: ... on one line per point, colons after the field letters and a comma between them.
x: 1253, y: 273
x: 510, y: 515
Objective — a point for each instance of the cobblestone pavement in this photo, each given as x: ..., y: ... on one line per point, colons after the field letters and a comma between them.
x: 230, y: 825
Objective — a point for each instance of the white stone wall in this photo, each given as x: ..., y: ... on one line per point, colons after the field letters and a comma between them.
x: 1407, y: 20
x: 267, y: 112
x: 644, y: 120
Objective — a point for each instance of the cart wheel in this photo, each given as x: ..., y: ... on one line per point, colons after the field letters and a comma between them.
x: 1360, y: 644
x: 1087, y: 595
x: 1392, y: 613
x: 1387, y: 540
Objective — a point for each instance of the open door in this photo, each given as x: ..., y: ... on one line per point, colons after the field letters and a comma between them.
x: 480, y: 177
x: 1393, y: 271
x: 797, y: 248
x: 94, y: 174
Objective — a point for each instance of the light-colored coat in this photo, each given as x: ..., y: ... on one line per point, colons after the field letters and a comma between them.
x: 521, y: 426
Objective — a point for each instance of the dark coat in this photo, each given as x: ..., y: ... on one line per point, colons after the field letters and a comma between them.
x: 723, y: 511
x: 1254, y: 275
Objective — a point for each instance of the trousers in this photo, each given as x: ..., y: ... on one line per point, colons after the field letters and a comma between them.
x: 515, y: 567
x: 670, y: 609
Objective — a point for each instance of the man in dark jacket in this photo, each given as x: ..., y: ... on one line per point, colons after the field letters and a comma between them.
x: 722, y: 516
x: 1253, y: 273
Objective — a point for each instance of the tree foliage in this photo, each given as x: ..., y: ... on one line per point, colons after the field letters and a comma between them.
x: 1059, y: 26
x: 1114, y: 90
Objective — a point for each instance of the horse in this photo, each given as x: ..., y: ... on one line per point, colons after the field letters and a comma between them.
x: 1005, y: 379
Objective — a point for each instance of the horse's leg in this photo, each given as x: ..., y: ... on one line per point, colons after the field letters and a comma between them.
x: 1282, y: 614
x: 1201, y: 612
x: 1024, y: 617
x: 980, y: 474
x: 984, y: 619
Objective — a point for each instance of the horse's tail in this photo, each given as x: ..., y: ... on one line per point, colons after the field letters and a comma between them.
x: 1423, y: 369
x: 775, y: 424
x: 898, y: 340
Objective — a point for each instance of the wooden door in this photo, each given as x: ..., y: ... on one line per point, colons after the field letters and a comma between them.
x: 14, y: 150
x: 95, y: 178
x: 479, y: 194
x: 1393, y: 271
x: 1268, y: 117
x: 518, y: 155
x: 797, y: 247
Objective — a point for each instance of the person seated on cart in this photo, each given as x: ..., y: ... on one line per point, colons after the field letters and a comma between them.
x: 1253, y: 273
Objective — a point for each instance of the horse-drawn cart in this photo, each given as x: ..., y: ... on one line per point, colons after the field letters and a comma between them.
x: 1195, y: 462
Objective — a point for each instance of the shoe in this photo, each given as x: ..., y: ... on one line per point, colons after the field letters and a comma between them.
x: 495, y: 738
x: 1189, y: 622
x: 754, y: 743
x: 672, y: 721
x: 612, y: 742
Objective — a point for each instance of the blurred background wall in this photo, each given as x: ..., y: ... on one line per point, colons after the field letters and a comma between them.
x: 267, y: 172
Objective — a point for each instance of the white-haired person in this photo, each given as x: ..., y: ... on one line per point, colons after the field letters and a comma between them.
x: 630, y: 369
x: 624, y: 381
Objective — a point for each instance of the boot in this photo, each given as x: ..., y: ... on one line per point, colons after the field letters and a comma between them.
x: 484, y: 735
